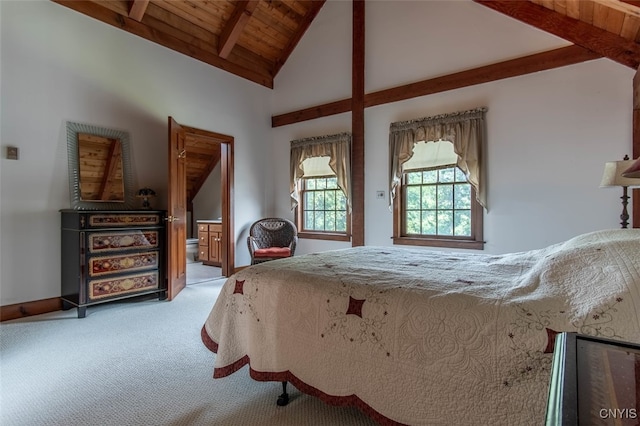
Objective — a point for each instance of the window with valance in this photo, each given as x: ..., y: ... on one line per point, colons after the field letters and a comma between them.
x: 320, y: 186
x: 435, y: 162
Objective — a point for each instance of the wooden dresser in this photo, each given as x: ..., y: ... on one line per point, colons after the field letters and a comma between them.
x: 210, y: 242
x: 109, y: 255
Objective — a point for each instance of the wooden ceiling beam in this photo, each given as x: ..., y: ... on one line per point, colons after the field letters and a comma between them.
x: 232, y: 30
x: 305, y: 22
x: 357, y: 123
x: 512, y: 68
x: 138, y: 8
x: 101, y: 13
x: 590, y: 37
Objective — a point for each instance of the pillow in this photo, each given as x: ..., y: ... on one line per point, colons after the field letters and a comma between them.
x: 273, y: 252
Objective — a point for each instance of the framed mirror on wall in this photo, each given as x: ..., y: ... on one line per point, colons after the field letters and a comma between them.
x: 100, y: 176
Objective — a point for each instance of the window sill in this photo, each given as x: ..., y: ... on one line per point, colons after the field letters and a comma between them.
x: 440, y: 242
x: 324, y: 236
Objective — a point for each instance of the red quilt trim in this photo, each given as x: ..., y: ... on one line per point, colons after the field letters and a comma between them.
x: 210, y: 344
x: 287, y: 376
x: 273, y: 252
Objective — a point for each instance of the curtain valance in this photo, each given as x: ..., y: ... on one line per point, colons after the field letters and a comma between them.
x: 465, y: 130
x: 337, y: 147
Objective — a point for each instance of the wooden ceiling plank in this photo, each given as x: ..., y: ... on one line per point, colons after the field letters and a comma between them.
x: 586, y: 12
x: 630, y: 27
x: 261, y: 14
x: 206, y: 41
x: 164, y: 19
x: 283, y: 12
x: 96, y: 11
x: 199, y: 17
x: 573, y: 9
x: 138, y: 8
x: 600, y: 15
x: 258, y: 29
x: 121, y: 7
x: 234, y: 27
x: 560, y: 6
x: 299, y: 7
x: 293, y: 42
x: 615, y: 20
x: 512, y: 68
x: 631, y: 7
x: 604, y: 43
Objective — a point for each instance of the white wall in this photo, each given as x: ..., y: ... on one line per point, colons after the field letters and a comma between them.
x: 207, y: 204
x: 59, y: 65
x: 549, y: 133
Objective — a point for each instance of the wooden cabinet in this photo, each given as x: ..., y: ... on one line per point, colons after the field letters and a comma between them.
x: 210, y: 242
x: 111, y: 255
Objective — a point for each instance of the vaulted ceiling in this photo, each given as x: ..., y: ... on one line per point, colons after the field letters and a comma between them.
x: 254, y: 38
x: 251, y: 39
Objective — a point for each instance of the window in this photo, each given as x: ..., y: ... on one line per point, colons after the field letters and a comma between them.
x: 437, y: 202
x: 436, y: 205
x: 323, y: 211
x: 436, y: 186
x: 320, y: 186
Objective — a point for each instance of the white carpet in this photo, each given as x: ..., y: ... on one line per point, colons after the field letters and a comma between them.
x: 138, y: 362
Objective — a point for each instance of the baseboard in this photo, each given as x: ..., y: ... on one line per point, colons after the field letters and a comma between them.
x: 27, y: 309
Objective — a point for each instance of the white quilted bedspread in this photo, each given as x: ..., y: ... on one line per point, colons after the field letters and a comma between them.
x: 427, y: 338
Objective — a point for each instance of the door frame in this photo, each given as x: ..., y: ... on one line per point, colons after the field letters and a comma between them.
x: 226, y: 190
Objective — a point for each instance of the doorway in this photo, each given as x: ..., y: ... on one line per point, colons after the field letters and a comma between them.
x: 184, y: 143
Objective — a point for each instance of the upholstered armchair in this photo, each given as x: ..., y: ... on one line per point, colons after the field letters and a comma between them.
x: 272, y: 238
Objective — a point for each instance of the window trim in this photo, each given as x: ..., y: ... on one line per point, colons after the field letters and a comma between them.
x: 474, y: 242
x: 314, y: 234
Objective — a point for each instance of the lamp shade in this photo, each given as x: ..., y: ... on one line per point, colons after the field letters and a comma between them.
x: 633, y: 171
x: 612, y: 175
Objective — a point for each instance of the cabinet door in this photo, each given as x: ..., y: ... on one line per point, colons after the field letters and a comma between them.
x: 214, y: 246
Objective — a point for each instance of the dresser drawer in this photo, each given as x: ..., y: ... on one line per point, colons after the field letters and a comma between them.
x: 111, y: 241
x: 102, y: 265
x: 122, y: 220
x: 122, y: 285
x: 215, y: 227
x: 203, y: 227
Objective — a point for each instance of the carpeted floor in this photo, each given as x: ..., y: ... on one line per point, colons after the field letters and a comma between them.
x: 138, y: 362
x: 197, y: 272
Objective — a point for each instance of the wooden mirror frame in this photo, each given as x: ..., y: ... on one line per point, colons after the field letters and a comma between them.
x: 73, y: 129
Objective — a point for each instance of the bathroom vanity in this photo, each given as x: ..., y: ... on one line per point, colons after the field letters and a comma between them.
x: 210, y: 242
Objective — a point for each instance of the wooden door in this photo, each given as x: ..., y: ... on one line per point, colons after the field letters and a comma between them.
x: 177, y: 211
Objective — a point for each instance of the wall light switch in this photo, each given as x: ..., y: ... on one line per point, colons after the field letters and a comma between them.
x: 12, y: 153
x: 380, y: 195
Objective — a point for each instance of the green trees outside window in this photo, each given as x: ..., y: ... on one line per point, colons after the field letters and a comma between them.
x: 324, y: 205
x: 437, y: 201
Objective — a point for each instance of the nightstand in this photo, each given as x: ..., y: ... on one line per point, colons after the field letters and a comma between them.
x: 594, y: 381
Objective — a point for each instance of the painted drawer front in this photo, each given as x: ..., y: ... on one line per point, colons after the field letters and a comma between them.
x: 112, y: 287
x: 137, y: 219
x: 122, y: 263
x: 101, y: 242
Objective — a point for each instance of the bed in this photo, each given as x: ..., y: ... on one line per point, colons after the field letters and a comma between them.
x: 418, y: 337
